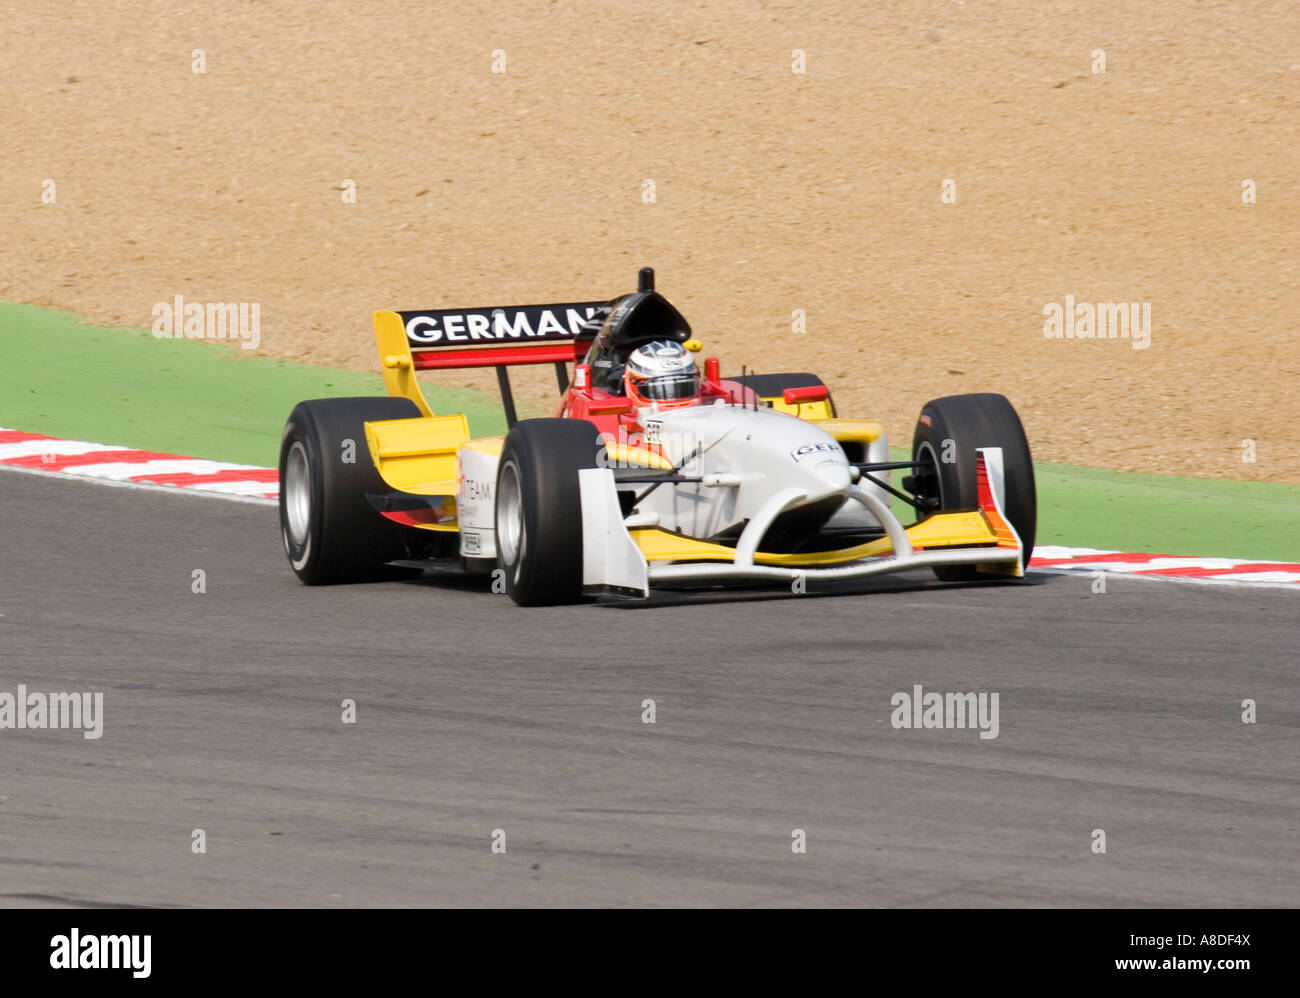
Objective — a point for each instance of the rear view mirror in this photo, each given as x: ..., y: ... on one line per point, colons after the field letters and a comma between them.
x: 610, y: 406
x: 813, y: 393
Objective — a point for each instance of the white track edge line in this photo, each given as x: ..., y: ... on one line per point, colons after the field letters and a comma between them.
x: 1152, y: 577
x: 188, y: 490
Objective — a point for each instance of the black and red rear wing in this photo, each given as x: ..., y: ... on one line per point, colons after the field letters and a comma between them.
x: 493, y: 337
x: 501, y: 337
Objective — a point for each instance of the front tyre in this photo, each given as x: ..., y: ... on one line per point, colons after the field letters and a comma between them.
x: 947, y: 435
x: 539, y: 509
x: 331, y: 532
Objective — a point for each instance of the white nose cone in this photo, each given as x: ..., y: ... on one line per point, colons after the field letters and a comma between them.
x: 777, y: 448
x: 834, y: 474
x: 820, y: 464
x: 761, y: 452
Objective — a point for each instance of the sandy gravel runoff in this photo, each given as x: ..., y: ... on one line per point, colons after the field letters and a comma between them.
x: 774, y: 190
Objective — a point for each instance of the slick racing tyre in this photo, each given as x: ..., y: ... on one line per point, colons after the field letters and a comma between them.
x: 539, y: 511
x: 332, y: 534
x: 947, y: 434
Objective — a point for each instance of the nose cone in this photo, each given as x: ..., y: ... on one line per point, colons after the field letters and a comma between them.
x: 835, y: 474
x: 782, y: 450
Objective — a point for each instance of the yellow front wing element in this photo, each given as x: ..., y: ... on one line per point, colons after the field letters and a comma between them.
x: 418, y: 455
x: 942, y: 530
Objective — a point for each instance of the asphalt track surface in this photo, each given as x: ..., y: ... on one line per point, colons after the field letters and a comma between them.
x: 222, y: 712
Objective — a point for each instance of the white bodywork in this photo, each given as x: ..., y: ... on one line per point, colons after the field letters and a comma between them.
x: 757, y: 451
x: 754, y: 465
x: 753, y: 450
x: 476, y: 503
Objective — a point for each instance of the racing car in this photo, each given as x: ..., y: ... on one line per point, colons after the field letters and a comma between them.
x: 651, y: 473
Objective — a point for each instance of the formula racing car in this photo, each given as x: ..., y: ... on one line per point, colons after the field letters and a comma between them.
x: 653, y: 472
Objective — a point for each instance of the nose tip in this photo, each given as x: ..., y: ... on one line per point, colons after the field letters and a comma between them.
x: 835, y: 476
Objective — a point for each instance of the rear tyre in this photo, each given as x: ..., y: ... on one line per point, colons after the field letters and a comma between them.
x: 331, y: 532
x: 952, y: 428
x: 539, y: 510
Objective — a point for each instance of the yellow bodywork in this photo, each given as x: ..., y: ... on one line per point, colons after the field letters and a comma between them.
x: 626, y: 456
x: 486, y: 445
x: 862, y: 431
x: 395, y: 359
x: 419, y: 455
x: 817, y: 411
x: 941, y: 530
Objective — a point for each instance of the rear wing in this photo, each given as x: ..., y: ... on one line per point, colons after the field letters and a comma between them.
x: 500, y: 337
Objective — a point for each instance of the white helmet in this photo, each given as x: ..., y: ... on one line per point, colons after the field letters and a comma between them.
x: 661, y: 373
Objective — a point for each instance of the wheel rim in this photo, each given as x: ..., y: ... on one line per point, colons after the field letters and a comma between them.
x: 928, y: 481
x: 297, y: 494
x: 510, y: 515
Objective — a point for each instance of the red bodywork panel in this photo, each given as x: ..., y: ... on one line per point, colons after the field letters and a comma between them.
x: 534, y: 353
x: 613, y: 413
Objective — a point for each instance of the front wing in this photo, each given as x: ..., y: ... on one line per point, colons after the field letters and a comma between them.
x: 626, y: 556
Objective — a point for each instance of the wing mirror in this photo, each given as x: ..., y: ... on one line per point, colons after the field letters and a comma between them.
x: 813, y: 393
x: 609, y: 407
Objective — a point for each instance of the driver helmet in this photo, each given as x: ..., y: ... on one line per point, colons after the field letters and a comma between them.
x: 661, y: 374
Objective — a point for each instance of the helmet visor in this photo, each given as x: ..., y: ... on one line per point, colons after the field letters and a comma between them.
x: 666, y: 387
